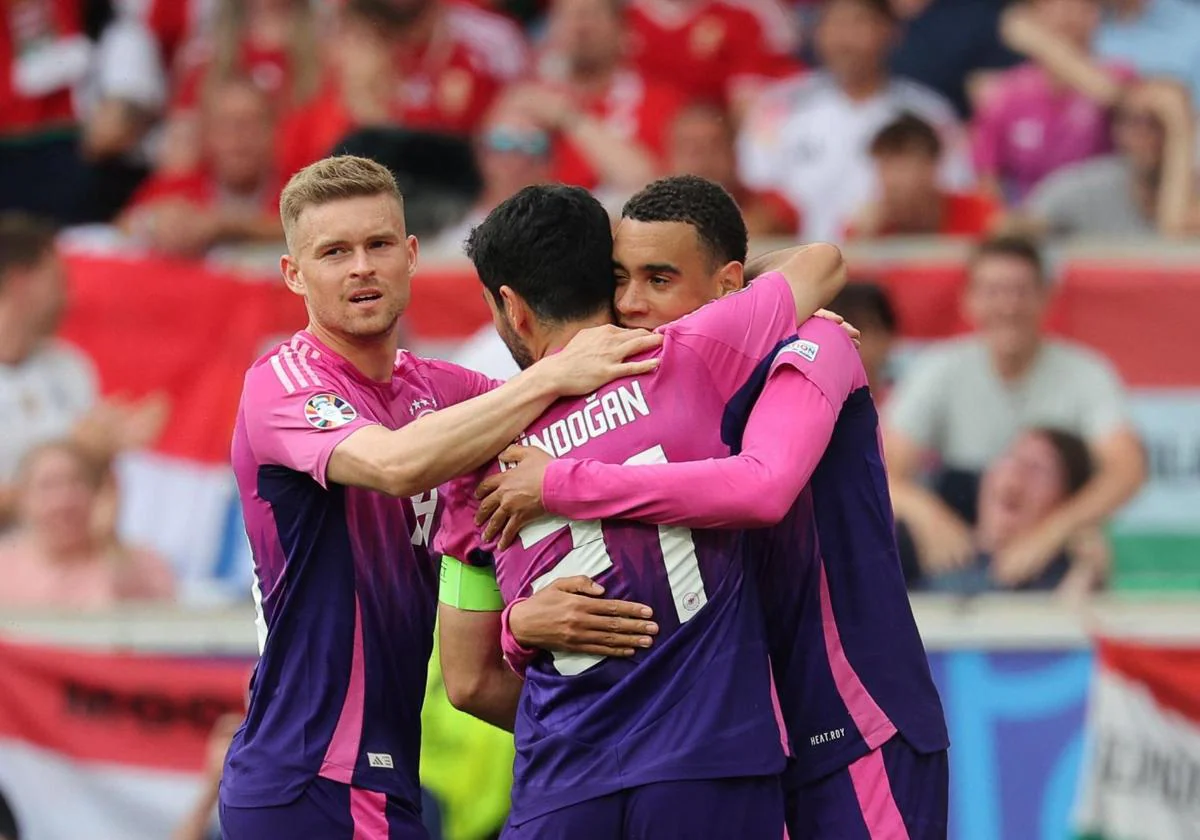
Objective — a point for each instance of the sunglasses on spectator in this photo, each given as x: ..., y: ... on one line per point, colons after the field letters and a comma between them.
x: 532, y: 143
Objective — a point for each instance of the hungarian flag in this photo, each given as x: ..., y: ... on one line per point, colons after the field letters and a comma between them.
x: 1143, y: 779
x: 107, y: 745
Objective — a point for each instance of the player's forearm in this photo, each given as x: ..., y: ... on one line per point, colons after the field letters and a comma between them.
x: 815, y: 274
x: 473, y: 671
x: 458, y: 438
x: 785, y: 437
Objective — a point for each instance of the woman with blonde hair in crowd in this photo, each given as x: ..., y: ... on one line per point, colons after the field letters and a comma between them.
x: 63, y: 551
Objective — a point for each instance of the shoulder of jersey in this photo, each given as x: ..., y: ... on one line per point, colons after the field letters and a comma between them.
x: 292, y: 366
x: 494, y: 41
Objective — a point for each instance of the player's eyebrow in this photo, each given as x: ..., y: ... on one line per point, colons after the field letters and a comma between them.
x: 659, y: 268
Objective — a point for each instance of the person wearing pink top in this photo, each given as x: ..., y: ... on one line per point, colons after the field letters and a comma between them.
x: 865, y: 724
x: 1051, y: 112
x: 60, y: 555
x: 339, y: 444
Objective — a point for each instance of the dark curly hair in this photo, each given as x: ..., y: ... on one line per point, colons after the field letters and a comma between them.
x: 703, y: 204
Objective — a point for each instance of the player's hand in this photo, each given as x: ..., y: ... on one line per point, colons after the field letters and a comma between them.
x: 850, y: 329
x: 597, y: 356
x: 570, y: 616
x: 512, y: 499
x: 943, y: 541
x: 1028, y: 555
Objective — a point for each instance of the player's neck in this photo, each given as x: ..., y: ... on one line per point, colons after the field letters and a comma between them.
x: 557, y: 339
x: 374, y: 357
x: 60, y: 552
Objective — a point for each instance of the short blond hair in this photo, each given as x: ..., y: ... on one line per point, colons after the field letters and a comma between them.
x: 332, y: 179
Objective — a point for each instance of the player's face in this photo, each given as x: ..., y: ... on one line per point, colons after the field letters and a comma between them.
x: 664, y: 272
x: 353, y: 263
x: 1005, y: 301
x: 1020, y: 488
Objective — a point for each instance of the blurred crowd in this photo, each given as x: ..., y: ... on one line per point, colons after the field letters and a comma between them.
x: 170, y: 126
x: 179, y: 120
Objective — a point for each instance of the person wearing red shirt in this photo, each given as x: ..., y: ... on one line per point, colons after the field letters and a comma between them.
x: 907, y: 154
x: 424, y: 65
x: 609, y: 121
x: 713, y: 50
x: 271, y: 42
x: 43, y: 53
x: 702, y: 144
x: 232, y: 197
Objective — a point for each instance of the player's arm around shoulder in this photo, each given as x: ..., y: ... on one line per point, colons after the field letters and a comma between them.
x: 456, y: 439
x: 814, y: 274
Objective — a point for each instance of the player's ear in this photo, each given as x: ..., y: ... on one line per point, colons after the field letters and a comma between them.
x: 290, y: 269
x: 731, y: 277
x: 414, y: 251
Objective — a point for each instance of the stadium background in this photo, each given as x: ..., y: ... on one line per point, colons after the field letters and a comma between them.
x: 104, y: 717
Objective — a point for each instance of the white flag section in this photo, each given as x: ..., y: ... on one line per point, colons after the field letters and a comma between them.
x: 57, y: 798
x: 1143, y: 779
x: 103, y: 746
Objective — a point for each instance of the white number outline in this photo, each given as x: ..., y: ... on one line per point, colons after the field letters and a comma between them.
x: 589, y: 556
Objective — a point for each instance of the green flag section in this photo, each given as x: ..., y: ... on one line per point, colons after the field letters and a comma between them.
x: 1142, y: 781
x: 1156, y: 538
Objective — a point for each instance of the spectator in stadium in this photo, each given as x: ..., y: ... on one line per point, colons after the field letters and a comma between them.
x: 869, y: 308
x: 120, y: 103
x: 808, y: 136
x: 63, y: 550
x: 1148, y: 187
x: 271, y: 42
x: 1155, y: 37
x: 609, y: 122
x: 202, y: 822
x: 513, y: 152
x: 44, y: 53
x: 48, y: 388
x: 233, y: 195
x: 425, y: 65
x: 907, y: 153
x: 1051, y: 112
x: 967, y: 399
x: 717, y: 51
x: 702, y: 143
x: 1035, y: 476
x: 949, y: 44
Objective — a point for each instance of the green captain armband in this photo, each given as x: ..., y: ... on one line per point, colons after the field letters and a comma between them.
x: 471, y: 588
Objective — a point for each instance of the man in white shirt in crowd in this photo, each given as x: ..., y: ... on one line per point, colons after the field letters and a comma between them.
x: 809, y: 136
x: 48, y: 389
x: 965, y: 400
